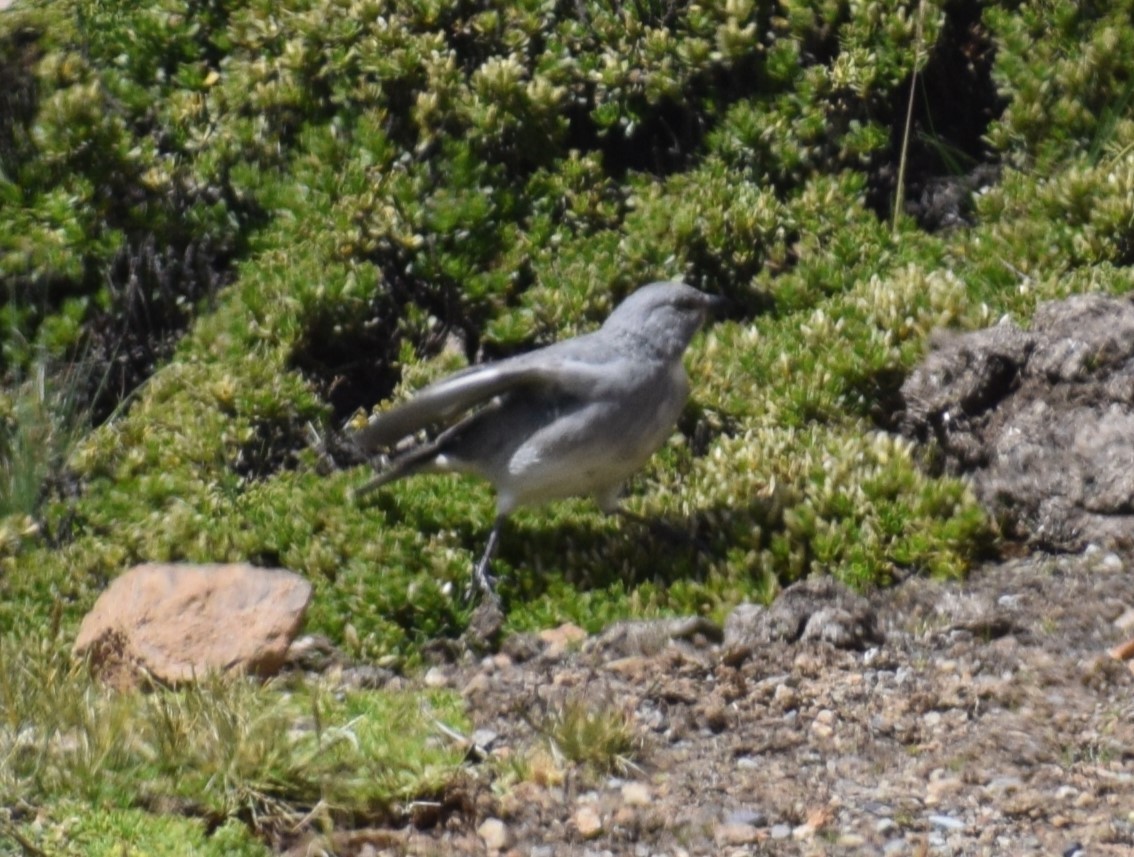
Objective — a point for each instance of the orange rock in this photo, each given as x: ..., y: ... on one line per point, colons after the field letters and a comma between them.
x: 175, y: 623
x: 1124, y: 651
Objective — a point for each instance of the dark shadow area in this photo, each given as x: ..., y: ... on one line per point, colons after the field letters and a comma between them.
x: 19, y: 55
x: 662, y: 139
x: 352, y: 360
x: 660, y: 550
x: 881, y: 397
x: 658, y: 136
x: 954, y: 102
x: 141, y: 300
x: 275, y: 446
x: 666, y: 136
x: 154, y: 294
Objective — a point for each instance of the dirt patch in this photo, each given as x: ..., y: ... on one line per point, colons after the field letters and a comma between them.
x: 977, y: 718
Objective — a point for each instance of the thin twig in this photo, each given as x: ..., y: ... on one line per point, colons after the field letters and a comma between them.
x: 900, y: 191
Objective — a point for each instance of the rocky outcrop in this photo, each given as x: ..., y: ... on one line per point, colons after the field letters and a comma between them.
x: 1043, y: 420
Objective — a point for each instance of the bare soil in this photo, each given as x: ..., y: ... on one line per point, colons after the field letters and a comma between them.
x: 989, y: 717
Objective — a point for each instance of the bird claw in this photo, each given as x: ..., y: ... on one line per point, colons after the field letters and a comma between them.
x: 482, y: 580
x: 482, y: 583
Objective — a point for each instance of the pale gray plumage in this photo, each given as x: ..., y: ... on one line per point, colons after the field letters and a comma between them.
x: 576, y: 418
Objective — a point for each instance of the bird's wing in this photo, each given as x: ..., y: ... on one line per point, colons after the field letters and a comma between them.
x: 442, y: 402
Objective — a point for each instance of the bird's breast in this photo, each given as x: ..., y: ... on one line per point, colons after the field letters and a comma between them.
x: 595, y: 445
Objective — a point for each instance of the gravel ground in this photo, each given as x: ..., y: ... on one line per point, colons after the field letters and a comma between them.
x: 980, y: 718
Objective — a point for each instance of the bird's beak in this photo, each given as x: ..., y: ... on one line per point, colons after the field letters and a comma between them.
x: 716, y: 305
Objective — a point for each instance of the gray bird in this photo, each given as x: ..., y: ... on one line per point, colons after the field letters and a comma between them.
x: 573, y: 419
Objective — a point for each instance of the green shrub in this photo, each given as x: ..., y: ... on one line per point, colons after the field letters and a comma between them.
x: 390, y: 192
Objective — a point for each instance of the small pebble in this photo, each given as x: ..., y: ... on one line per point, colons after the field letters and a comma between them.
x: 636, y: 794
x: 485, y: 738
x: 1125, y: 622
x: 1113, y: 562
x: 947, y: 822
x: 747, y: 816
x: 823, y: 724
x: 736, y: 834
x: 587, y: 821
x: 495, y: 834
x: 785, y: 697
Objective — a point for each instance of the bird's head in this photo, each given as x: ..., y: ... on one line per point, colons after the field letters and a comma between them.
x: 664, y: 316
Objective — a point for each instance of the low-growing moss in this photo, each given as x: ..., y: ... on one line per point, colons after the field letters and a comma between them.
x: 72, y: 829
x: 1063, y: 68
x: 271, y: 756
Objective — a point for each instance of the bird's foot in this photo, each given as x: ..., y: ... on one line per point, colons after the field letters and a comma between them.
x: 482, y: 580
x: 483, y: 584
x: 487, y: 619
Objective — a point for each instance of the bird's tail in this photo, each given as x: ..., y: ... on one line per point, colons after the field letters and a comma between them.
x: 417, y: 460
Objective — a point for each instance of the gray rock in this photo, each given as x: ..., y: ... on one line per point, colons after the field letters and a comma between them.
x: 1043, y: 420
x: 819, y: 608
x: 980, y: 615
x: 946, y: 822
x: 781, y: 831
x: 648, y: 637
x: 753, y: 817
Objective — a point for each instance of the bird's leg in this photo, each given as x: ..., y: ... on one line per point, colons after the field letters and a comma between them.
x: 481, y: 578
